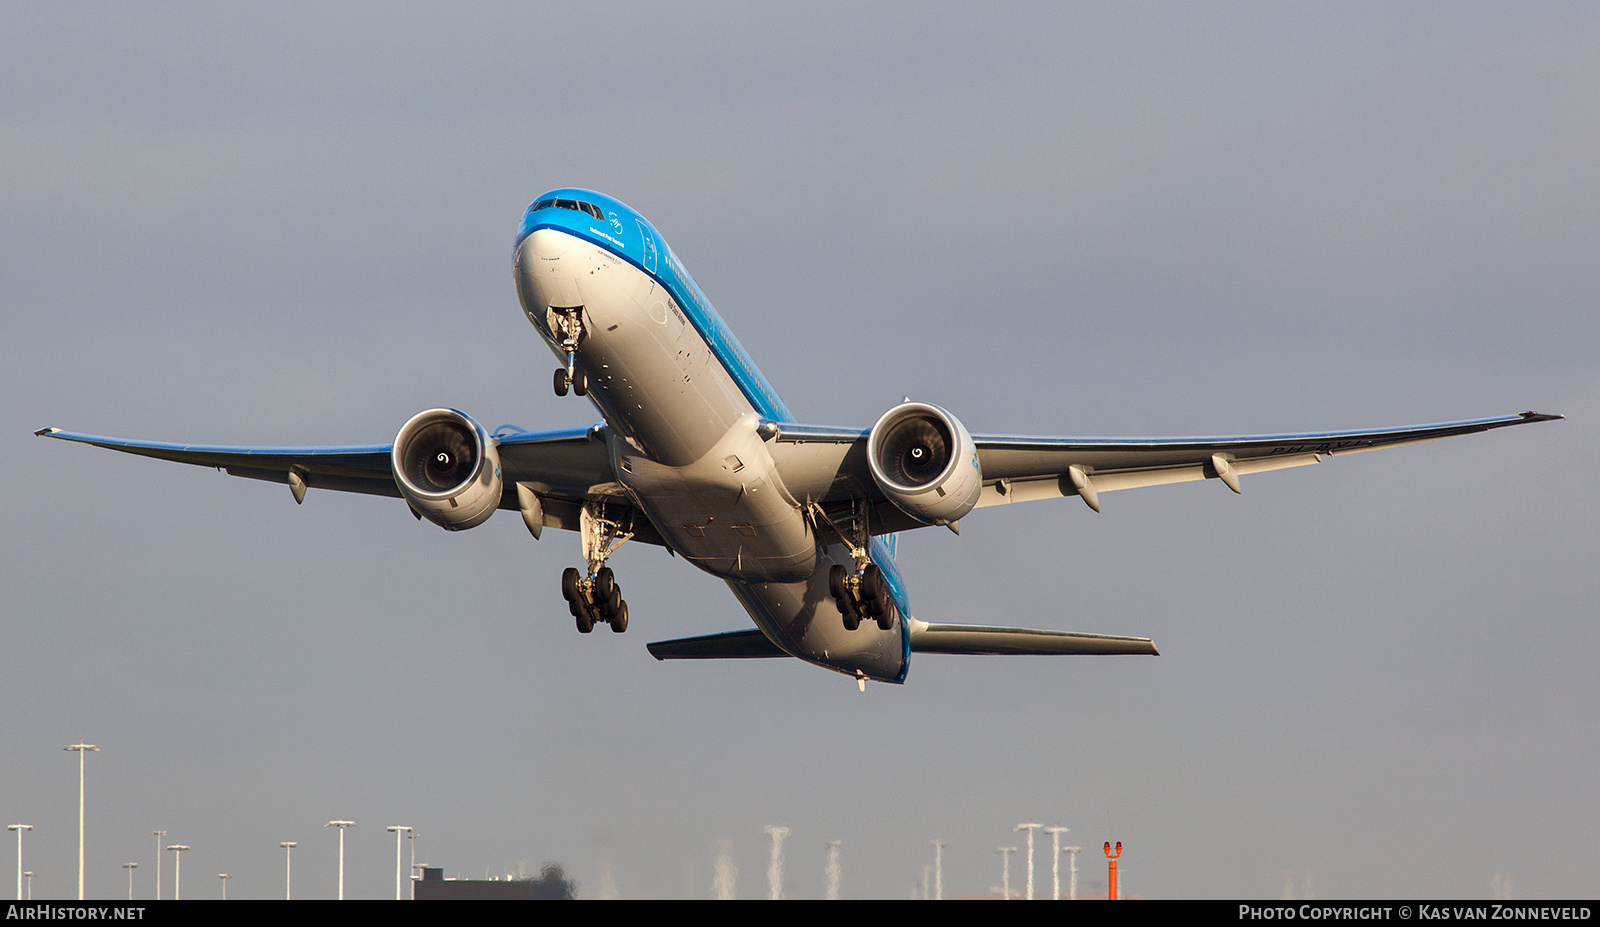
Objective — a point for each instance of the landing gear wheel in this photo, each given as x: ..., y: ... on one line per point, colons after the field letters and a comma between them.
x: 605, y: 583
x: 836, y: 582
x: 580, y: 383
x: 562, y: 381
x: 886, y: 619
x: 852, y: 618
x: 619, y: 621
x: 872, y: 592
x: 569, y: 584
x: 585, y: 621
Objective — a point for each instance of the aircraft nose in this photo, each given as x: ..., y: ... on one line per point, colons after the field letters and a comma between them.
x: 548, y: 244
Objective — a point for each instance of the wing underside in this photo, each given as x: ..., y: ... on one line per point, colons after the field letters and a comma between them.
x: 565, y: 468
x: 829, y: 465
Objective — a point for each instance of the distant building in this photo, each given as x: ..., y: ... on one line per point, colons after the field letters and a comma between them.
x: 552, y: 885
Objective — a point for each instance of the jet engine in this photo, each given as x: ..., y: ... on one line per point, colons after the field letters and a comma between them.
x: 448, y: 468
x: 925, y: 462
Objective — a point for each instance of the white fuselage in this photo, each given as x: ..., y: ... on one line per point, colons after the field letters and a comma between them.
x: 685, y: 446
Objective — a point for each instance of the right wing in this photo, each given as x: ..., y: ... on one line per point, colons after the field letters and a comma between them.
x: 566, y: 468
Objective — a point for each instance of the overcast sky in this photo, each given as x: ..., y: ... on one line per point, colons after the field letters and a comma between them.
x: 293, y: 225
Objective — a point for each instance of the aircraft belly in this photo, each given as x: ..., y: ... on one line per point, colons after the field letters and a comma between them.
x: 803, y: 619
x: 727, y: 512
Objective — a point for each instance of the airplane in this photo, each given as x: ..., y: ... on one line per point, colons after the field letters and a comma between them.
x: 698, y: 454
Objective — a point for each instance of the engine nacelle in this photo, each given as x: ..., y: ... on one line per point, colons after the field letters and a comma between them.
x: 448, y: 468
x: 925, y: 462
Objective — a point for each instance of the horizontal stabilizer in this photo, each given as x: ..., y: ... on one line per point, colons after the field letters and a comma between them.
x: 981, y: 639
x: 731, y: 645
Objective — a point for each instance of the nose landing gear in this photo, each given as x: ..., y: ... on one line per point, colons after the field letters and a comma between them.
x: 570, y: 325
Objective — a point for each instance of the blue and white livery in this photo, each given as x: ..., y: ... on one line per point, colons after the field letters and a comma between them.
x: 697, y: 453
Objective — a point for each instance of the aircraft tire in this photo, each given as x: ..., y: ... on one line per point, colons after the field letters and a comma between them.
x: 585, y: 621
x: 605, y: 583
x: 569, y: 584
x: 872, y: 584
x: 852, y: 618
x: 580, y: 383
x: 836, y: 582
x: 619, y: 621
x: 886, y: 620
x: 562, y: 381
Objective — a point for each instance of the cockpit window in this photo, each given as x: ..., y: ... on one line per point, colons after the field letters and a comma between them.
x: 574, y: 205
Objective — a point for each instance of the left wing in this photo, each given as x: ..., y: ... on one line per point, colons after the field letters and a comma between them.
x: 829, y: 465
x: 565, y: 467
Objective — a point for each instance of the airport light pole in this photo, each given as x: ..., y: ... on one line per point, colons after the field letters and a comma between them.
x: 158, y: 834
x: 224, y: 877
x: 81, y: 748
x: 399, y: 832
x: 833, y: 869
x: 342, y: 825
x: 19, y: 828
x: 177, y: 870
x: 412, y: 839
x: 1072, y: 858
x: 29, y: 876
x: 938, y: 869
x: 288, y: 868
x: 1030, y: 827
x: 1055, y: 859
x: 775, y: 868
x: 1005, y: 871
x: 130, y: 867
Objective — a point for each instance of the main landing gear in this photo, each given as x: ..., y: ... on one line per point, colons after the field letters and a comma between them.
x: 596, y: 597
x: 572, y: 332
x: 861, y: 595
x: 592, y: 600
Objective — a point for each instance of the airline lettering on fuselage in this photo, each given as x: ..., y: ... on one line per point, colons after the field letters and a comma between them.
x: 608, y: 237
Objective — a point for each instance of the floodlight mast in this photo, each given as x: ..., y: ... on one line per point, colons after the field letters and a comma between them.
x: 1072, y: 858
x: 29, y: 876
x: 1030, y: 827
x: 775, y: 868
x: 833, y: 869
x: 177, y: 870
x: 1055, y: 859
x: 938, y: 869
x: 81, y: 748
x: 158, y: 834
x: 399, y: 831
x: 342, y: 825
x: 288, y: 868
x: 130, y: 867
x: 1005, y: 871
x: 224, y: 877
x: 19, y: 828
x: 412, y: 875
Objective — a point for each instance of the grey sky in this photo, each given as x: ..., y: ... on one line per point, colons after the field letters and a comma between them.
x: 287, y: 225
